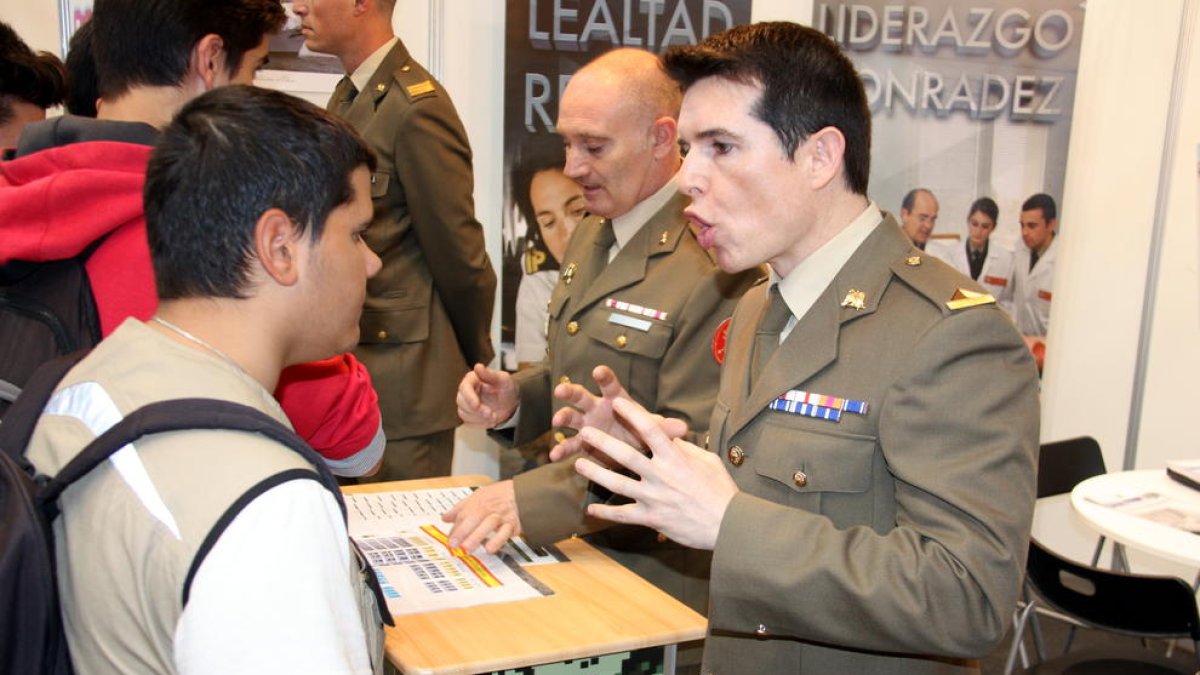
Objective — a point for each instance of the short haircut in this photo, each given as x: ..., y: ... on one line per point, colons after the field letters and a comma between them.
x: 227, y: 157
x: 807, y: 85
x: 39, y: 79
x: 910, y: 198
x: 1044, y: 202
x: 81, y: 67
x: 987, y: 206
x: 149, y: 42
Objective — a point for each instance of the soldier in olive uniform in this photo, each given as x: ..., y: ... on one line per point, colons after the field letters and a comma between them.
x: 867, y: 503
x: 637, y: 294
x: 428, y: 313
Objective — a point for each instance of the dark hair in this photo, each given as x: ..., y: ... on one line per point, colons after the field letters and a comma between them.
x: 227, y: 157
x: 987, y: 206
x: 533, y: 157
x: 1044, y: 202
x: 149, y: 42
x: 807, y: 85
x: 81, y: 67
x: 910, y: 198
x: 39, y: 79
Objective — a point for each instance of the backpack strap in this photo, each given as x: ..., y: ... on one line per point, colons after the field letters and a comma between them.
x: 185, y: 414
x: 22, y: 417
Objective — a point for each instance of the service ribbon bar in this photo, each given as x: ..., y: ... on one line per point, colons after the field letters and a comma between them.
x: 613, y: 303
x: 824, y: 401
x: 806, y: 409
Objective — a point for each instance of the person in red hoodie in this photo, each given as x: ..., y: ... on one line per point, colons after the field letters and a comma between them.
x: 75, y: 180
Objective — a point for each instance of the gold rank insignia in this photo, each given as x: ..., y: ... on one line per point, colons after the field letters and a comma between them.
x: 420, y: 88
x: 662, y: 241
x: 913, y: 261
x: 381, y: 87
x: 568, y: 275
x: 964, y: 298
x: 855, y: 298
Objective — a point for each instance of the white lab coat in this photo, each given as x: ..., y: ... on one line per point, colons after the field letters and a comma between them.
x: 1033, y: 290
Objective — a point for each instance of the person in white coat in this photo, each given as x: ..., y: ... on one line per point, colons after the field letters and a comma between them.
x: 1033, y: 273
x: 985, y: 261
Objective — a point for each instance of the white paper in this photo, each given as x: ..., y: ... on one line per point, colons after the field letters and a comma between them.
x: 404, y: 538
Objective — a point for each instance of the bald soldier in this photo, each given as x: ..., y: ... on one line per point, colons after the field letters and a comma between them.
x: 637, y: 294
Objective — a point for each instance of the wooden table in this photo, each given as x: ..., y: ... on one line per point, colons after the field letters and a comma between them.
x: 598, y: 607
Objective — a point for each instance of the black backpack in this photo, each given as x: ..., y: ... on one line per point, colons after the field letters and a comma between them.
x: 32, y: 640
x: 46, y: 310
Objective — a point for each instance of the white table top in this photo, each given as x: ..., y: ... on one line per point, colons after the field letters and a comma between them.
x: 1168, y: 542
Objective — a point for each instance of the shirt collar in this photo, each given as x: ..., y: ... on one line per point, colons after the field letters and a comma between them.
x: 362, y: 75
x: 627, y: 225
x: 804, y: 284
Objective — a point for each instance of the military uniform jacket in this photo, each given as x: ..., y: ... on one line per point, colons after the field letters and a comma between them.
x: 662, y: 353
x: 997, y: 272
x: 428, y: 312
x: 856, y: 546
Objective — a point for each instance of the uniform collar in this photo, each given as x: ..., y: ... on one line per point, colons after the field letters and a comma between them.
x: 362, y: 75
x: 627, y: 225
x: 804, y: 284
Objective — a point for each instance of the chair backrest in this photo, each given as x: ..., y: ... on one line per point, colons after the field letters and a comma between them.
x: 1064, y: 464
x: 1143, y: 605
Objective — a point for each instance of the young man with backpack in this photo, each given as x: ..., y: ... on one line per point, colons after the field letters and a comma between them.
x: 74, y: 191
x: 215, y: 551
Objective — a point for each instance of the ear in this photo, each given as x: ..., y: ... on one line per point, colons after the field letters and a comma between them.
x: 826, y: 150
x: 277, y: 243
x: 1052, y: 226
x: 363, y: 6
x: 208, y: 59
x: 665, y: 135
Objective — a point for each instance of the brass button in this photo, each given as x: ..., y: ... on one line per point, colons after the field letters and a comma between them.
x: 622, y: 341
x: 736, y: 456
x: 800, y: 478
x: 572, y: 328
x: 383, y: 335
x: 565, y: 379
x: 662, y: 538
x: 405, y: 69
x: 761, y: 630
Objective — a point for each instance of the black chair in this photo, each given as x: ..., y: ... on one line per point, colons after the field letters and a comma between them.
x: 1149, y: 607
x: 1061, y: 466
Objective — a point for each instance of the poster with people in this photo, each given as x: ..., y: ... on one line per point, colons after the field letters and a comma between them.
x: 971, y: 108
x: 546, y: 41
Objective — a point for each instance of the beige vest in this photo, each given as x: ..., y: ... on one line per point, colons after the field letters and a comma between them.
x: 122, y: 570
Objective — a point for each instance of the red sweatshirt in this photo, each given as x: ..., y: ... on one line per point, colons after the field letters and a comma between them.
x: 55, y: 202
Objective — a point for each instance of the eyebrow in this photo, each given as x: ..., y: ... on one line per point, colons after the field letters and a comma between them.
x: 717, y: 131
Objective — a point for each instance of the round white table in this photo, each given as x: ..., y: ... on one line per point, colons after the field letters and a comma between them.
x: 1168, y: 542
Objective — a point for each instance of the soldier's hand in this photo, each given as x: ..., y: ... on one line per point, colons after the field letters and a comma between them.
x: 678, y: 488
x: 489, y: 514
x: 486, y: 397
x: 585, y: 409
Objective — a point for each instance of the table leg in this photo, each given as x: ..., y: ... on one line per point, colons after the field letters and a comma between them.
x: 669, y: 654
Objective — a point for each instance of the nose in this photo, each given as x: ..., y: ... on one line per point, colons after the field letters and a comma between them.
x: 374, y: 264
x: 575, y: 166
x: 300, y: 8
x: 689, y: 179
